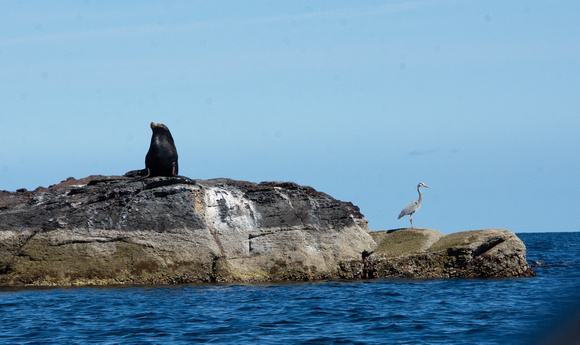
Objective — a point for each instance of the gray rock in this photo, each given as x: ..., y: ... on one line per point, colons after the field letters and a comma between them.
x: 117, y: 230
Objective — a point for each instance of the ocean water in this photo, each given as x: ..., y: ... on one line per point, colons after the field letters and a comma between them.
x: 381, y: 311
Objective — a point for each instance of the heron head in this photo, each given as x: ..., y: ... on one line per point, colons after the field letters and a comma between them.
x: 423, y: 185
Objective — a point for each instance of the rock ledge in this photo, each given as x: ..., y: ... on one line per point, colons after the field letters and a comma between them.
x: 427, y: 253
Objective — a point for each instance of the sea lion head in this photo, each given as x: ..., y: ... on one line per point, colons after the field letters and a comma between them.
x: 160, y: 126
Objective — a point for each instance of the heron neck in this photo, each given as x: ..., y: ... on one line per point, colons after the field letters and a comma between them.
x: 420, y: 195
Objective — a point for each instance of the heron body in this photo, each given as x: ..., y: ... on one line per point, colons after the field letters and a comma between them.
x: 414, y: 205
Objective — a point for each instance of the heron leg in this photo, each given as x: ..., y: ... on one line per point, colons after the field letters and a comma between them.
x: 411, y: 220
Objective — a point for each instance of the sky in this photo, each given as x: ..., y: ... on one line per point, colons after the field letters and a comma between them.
x: 360, y: 100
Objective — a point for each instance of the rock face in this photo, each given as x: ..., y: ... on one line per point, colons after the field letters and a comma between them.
x: 116, y: 230
x: 427, y: 253
x: 104, y: 230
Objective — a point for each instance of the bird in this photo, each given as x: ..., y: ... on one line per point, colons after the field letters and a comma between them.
x: 414, y: 205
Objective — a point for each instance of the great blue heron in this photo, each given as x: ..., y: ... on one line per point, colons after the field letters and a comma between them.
x: 414, y: 205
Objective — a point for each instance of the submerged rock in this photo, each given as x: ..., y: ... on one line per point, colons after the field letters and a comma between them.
x: 103, y: 230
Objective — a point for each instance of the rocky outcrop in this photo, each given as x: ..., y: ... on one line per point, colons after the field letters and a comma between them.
x: 103, y: 230
x: 118, y: 230
x: 427, y: 253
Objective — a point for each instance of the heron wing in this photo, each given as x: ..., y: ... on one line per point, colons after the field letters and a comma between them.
x: 409, y: 209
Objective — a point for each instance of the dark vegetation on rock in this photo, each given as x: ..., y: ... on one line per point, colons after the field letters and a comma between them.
x: 103, y: 230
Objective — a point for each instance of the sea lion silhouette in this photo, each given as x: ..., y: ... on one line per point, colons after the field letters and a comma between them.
x: 161, y: 159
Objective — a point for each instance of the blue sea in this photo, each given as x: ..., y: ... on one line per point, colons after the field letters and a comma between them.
x: 381, y: 311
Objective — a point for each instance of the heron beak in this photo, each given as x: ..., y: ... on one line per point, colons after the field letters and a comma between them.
x: 426, y: 186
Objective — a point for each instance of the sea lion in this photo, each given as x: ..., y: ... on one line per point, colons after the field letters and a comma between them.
x: 161, y: 160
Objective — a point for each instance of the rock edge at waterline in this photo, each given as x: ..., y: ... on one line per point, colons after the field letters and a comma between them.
x: 106, y: 230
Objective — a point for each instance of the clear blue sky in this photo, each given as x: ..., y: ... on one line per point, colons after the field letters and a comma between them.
x: 361, y: 100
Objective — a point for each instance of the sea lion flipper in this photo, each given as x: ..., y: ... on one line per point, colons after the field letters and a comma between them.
x: 145, y: 174
x: 136, y: 173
